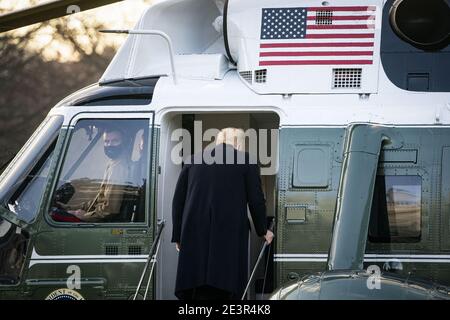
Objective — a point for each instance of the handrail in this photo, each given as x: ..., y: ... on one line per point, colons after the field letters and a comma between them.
x: 150, y: 259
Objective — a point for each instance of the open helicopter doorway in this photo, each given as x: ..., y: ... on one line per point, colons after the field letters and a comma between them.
x: 265, y: 125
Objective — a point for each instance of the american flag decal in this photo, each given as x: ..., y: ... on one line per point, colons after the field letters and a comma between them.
x: 317, y: 36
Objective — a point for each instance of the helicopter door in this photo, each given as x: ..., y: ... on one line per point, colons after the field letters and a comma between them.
x: 99, y: 222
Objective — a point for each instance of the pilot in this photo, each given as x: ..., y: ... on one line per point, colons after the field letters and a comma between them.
x: 210, y: 221
x: 107, y: 203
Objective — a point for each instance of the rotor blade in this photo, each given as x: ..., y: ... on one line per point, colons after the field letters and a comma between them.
x: 47, y: 11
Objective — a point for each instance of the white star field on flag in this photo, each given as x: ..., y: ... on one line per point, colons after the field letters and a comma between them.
x: 283, y: 23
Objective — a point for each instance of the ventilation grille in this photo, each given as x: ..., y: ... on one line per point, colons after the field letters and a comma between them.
x: 111, y: 250
x: 134, y: 250
x: 347, y: 78
x: 324, y: 17
x: 247, y: 76
x: 261, y: 76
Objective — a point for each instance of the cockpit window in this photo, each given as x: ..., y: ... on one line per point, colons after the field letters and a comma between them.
x: 22, y: 184
x: 25, y: 202
x: 104, y: 173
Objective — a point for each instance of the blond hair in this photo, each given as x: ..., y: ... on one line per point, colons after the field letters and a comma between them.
x: 232, y: 136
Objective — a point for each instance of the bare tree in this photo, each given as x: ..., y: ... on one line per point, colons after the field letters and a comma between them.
x: 30, y: 85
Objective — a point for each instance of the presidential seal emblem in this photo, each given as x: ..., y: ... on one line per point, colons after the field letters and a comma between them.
x: 64, y: 294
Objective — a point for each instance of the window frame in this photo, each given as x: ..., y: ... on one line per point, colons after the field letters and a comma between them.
x: 106, y: 115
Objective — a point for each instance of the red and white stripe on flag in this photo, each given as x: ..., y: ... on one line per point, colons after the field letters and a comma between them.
x: 317, y: 36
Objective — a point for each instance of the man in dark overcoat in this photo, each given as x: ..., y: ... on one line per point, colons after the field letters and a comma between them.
x: 210, y: 221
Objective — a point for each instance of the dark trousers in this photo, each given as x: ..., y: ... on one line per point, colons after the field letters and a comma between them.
x: 206, y: 293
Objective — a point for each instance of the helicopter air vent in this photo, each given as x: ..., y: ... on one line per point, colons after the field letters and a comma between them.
x: 324, y: 17
x: 111, y: 250
x: 261, y: 76
x: 348, y: 78
x: 134, y: 250
x: 247, y: 76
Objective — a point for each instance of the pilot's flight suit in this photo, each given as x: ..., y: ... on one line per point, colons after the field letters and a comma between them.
x: 110, y: 196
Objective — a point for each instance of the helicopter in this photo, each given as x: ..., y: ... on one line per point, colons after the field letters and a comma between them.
x: 358, y: 182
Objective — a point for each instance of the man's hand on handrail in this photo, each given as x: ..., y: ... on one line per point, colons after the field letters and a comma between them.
x: 269, y: 236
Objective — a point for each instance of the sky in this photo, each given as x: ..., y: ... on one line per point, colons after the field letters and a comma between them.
x: 121, y: 15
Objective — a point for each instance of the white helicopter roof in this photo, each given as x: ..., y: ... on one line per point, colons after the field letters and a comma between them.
x: 198, y: 47
x: 307, y: 46
x: 280, y: 46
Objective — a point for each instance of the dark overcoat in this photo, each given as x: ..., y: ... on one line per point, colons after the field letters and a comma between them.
x: 210, y: 220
